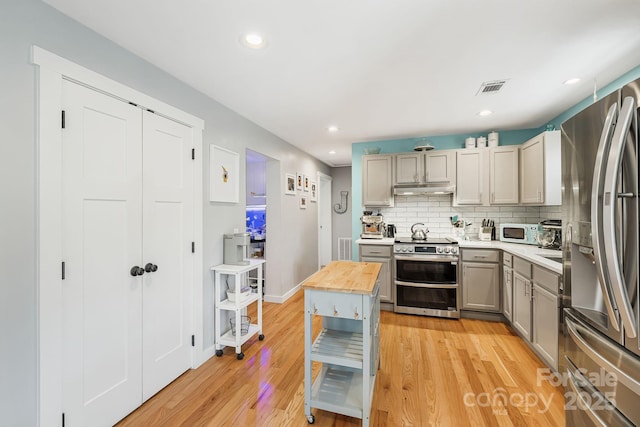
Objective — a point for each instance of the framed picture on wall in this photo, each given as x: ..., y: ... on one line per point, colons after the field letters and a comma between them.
x: 224, y: 175
x: 300, y: 181
x: 307, y: 185
x: 303, y: 202
x: 314, y: 192
x: 289, y: 184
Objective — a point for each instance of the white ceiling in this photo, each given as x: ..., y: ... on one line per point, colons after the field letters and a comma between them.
x: 378, y: 69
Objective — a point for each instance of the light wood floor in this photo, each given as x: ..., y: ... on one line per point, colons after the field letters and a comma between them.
x: 438, y: 372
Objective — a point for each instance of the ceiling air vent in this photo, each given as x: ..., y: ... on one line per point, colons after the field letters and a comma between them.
x: 488, y: 88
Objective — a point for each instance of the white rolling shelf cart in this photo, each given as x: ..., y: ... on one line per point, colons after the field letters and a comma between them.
x: 240, y: 273
x: 347, y: 347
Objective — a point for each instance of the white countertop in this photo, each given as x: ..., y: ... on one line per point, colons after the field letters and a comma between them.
x: 529, y: 252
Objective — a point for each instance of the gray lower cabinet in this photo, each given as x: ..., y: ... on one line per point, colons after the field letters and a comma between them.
x: 384, y: 255
x: 546, y: 315
x: 522, y: 297
x: 522, y: 304
x: 481, y: 280
x: 536, y: 310
x: 507, y: 286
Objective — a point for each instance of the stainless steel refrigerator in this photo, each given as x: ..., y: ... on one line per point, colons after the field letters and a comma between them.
x: 599, y: 343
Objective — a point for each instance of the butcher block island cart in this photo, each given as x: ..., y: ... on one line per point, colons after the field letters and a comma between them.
x: 345, y: 294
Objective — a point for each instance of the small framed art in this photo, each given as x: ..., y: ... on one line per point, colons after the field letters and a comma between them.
x: 289, y: 184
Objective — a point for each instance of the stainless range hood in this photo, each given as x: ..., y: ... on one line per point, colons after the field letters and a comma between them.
x: 418, y: 189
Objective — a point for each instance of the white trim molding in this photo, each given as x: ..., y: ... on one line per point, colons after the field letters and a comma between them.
x: 52, y: 69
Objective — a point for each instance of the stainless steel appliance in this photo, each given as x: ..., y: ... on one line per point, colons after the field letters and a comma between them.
x: 519, y: 233
x: 550, y: 234
x: 372, y: 226
x: 391, y: 230
x: 426, y: 277
x: 601, y: 360
x: 236, y: 248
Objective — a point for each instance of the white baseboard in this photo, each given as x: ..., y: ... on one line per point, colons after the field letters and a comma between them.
x: 281, y: 299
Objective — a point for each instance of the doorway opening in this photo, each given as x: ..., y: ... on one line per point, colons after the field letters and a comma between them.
x: 256, y: 209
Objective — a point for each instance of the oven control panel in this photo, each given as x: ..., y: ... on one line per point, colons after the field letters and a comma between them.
x: 425, y: 249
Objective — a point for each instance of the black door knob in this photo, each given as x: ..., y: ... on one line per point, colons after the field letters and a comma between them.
x: 150, y: 268
x: 136, y: 271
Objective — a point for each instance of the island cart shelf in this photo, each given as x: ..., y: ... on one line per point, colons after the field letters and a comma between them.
x: 241, y: 276
x: 345, y: 294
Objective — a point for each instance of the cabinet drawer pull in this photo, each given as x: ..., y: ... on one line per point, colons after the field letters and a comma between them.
x: 356, y: 315
x: 335, y: 311
x: 315, y: 309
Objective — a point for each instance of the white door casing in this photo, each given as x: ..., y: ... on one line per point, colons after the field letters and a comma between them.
x: 101, y: 229
x: 324, y: 220
x: 51, y: 71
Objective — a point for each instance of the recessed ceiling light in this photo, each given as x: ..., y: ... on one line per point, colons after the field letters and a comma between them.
x: 571, y: 81
x: 332, y: 152
x: 253, y: 40
x: 332, y: 129
x: 485, y: 113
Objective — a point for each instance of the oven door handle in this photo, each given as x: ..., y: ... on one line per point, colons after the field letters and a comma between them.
x: 427, y: 258
x: 427, y: 285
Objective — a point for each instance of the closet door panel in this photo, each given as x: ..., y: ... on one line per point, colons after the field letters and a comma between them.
x: 101, y: 223
x: 167, y: 236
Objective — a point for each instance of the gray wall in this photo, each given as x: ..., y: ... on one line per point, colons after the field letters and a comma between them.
x: 340, y: 223
x: 27, y: 22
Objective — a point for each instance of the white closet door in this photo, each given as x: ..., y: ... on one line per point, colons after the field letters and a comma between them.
x: 102, y: 225
x: 167, y: 236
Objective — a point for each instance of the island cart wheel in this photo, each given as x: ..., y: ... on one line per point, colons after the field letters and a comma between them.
x: 261, y: 337
x: 219, y: 353
x: 311, y: 419
x: 240, y: 356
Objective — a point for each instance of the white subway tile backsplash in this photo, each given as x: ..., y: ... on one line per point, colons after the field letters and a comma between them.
x: 435, y: 212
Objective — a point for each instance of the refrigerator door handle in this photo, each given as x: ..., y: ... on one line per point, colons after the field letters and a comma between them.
x: 603, y: 362
x: 578, y: 393
x: 610, y: 203
x: 596, y: 214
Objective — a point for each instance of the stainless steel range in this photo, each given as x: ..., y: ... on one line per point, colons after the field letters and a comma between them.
x: 426, y: 277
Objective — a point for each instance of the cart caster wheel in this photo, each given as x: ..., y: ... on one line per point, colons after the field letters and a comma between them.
x: 311, y: 419
x: 261, y: 337
x: 219, y: 353
x: 240, y: 356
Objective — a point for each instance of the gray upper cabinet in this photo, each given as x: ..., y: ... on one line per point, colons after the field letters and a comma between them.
x: 470, y: 181
x: 409, y: 168
x: 540, y: 180
x: 433, y: 167
x: 377, y: 180
x: 503, y: 177
x: 440, y: 167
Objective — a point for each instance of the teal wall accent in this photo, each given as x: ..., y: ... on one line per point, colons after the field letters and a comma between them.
x: 445, y: 142
x: 442, y: 142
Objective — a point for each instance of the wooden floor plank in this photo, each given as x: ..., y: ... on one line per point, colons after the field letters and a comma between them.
x: 433, y: 372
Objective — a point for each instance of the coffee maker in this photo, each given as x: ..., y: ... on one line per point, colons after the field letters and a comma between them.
x: 372, y: 225
x: 236, y: 248
x: 550, y: 234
